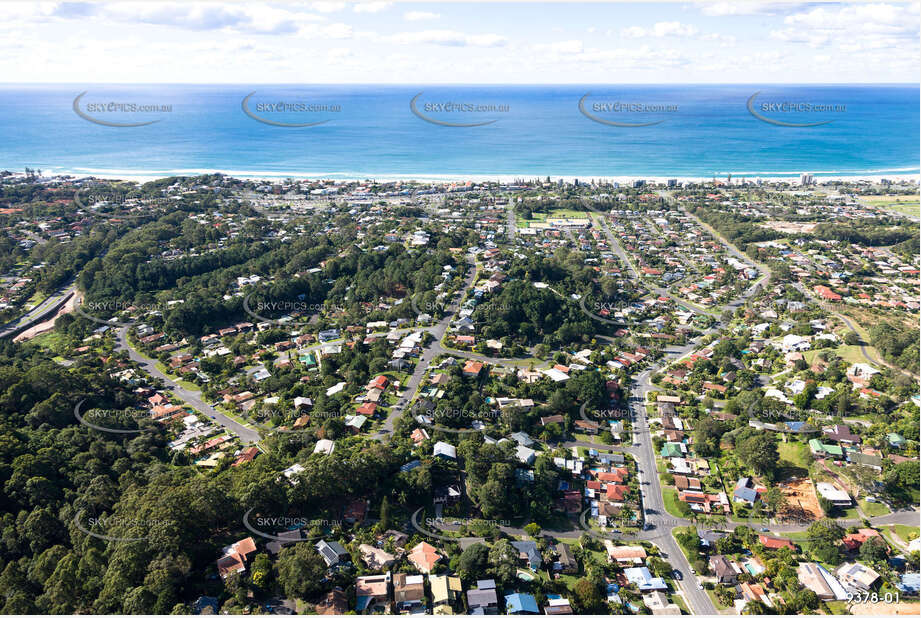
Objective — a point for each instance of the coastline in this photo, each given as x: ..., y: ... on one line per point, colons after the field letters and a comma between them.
x: 900, y: 175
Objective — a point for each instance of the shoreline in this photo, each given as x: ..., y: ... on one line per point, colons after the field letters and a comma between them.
x: 897, y: 176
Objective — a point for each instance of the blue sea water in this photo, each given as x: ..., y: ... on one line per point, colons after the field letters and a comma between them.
x: 372, y: 131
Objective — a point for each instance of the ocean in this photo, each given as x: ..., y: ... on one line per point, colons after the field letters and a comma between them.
x: 452, y: 132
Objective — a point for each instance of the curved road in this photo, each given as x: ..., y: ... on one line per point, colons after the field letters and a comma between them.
x: 191, y: 398
x: 39, y: 313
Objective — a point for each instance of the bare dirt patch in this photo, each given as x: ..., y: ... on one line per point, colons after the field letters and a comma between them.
x: 44, y: 327
x: 802, y: 503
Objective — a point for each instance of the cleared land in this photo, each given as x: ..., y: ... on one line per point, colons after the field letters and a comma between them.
x: 802, y: 503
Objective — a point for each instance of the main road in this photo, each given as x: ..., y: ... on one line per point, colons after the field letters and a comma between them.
x: 40, y: 312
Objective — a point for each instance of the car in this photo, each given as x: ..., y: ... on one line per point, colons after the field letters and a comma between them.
x: 693, y: 572
x: 765, y: 530
x: 678, y: 575
x: 700, y: 586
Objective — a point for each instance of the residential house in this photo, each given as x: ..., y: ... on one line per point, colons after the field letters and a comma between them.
x: 658, y: 603
x: 235, y: 557
x: 483, y: 600
x: 833, y: 494
x: 567, y: 561
x: 643, y: 579
x: 745, y: 491
x: 372, y: 591
x: 814, y: 576
x: 771, y: 542
x: 520, y: 603
x: 723, y: 569
x: 424, y: 557
x: 332, y: 552
x: 625, y: 554
x: 408, y: 592
x: 446, y: 593
x: 336, y: 603
x: 375, y: 557
x: 557, y: 606
x: 856, y: 575
x: 528, y: 553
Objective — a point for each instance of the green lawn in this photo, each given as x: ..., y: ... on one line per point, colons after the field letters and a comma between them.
x: 796, y: 453
x: 51, y: 340
x: 849, y: 353
x: 189, y: 386
x: 690, y: 558
x: 874, y: 509
x: 679, y: 601
x: 716, y: 601
x: 850, y: 513
x: 905, y: 204
x: 906, y: 533
x: 670, y: 497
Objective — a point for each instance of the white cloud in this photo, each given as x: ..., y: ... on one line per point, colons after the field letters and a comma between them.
x: 561, y: 47
x: 854, y: 27
x: 420, y: 15
x: 327, y: 7
x: 449, y: 38
x: 725, y: 40
x: 748, y: 7
x: 371, y: 7
x: 659, y: 30
x: 249, y: 19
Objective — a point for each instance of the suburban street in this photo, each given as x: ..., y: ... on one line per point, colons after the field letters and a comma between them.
x: 193, y: 399
x: 659, y: 524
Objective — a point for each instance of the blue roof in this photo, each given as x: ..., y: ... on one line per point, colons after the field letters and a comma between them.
x: 644, y: 579
x: 746, y: 493
x: 411, y: 465
x: 521, y: 602
x: 911, y: 583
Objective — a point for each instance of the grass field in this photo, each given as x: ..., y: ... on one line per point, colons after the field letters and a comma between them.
x: 670, y: 497
x: 906, y: 533
x: 874, y: 509
x: 849, y: 353
x: 716, y: 601
x: 51, y: 340
x: 796, y: 454
x: 905, y: 204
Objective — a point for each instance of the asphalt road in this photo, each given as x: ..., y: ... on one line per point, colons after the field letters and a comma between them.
x: 39, y: 313
x: 192, y: 399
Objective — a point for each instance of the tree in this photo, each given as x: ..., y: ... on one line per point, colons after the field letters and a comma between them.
x: 758, y: 451
x: 532, y: 529
x: 874, y: 550
x: 774, y: 499
x: 473, y: 561
x: 587, y: 596
x: 824, y: 536
x: 300, y: 570
x: 385, y: 514
x: 658, y: 566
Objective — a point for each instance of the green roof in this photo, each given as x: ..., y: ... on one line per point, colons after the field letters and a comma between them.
x: 671, y: 449
x: 831, y: 449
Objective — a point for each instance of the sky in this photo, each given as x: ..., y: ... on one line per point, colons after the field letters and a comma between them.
x: 456, y: 43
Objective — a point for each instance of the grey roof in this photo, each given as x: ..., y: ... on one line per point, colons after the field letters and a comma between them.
x: 331, y: 551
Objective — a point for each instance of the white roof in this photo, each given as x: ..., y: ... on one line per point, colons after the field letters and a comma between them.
x: 443, y: 448
x: 324, y: 446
